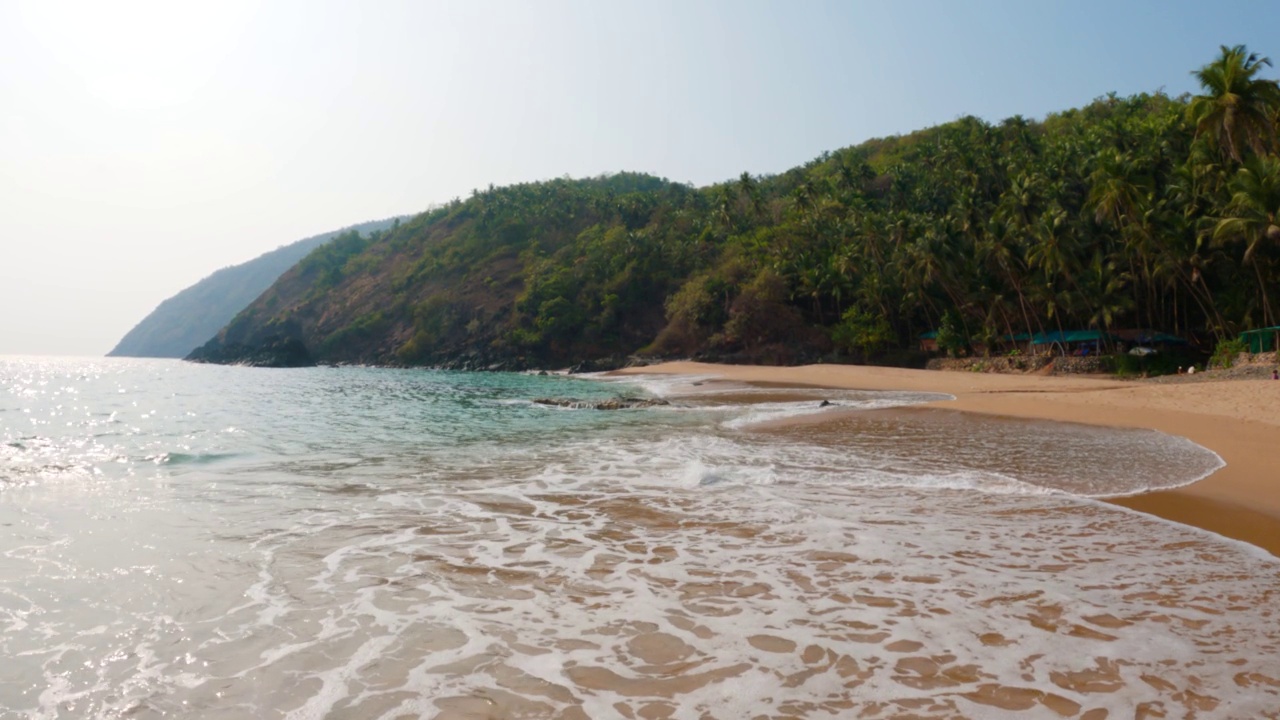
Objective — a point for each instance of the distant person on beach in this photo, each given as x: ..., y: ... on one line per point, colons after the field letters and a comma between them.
x: 1275, y: 374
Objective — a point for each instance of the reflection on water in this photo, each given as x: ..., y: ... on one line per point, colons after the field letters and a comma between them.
x: 351, y: 559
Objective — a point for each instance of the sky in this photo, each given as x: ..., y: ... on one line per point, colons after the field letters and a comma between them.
x: 144, y: 145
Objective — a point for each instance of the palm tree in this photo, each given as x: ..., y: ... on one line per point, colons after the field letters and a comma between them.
x: 1122, y: 194
x: 1254, y: 216
x: 1238, y: 108
x: 1105, y: 296
x: 1254, y: 207
x: 1053, y: 247
x: 805, y: 196
x: 1000, y: 251
x: 749, y: 190
x: 1117, y: 189
x: 724, y: 200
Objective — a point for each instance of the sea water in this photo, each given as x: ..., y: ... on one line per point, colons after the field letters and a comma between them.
x: 218, y: 542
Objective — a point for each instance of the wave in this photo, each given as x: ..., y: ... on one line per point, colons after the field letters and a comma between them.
x: 179, y: 458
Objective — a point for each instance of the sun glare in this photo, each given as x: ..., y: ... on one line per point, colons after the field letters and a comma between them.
x: 137, y: 55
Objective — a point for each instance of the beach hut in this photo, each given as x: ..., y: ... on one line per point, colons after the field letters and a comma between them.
x: 1261, y: 340
x: 1159, y: 338
x: 1073, y: 341
x: 1143, y: 341
x: 929, y: 341
x: 1020, y: 342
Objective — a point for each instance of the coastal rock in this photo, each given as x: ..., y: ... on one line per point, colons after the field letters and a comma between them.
x: 611, y: 404
x: 276, y: 351
x: 643, y: 360
x: 998, y: 364
x: 478, y: 361
x: 598, y: 365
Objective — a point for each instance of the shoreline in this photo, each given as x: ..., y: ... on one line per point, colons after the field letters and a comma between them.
x: 1237, y: 419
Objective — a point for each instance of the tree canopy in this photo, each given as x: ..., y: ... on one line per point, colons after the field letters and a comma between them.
x: 1131, y: 212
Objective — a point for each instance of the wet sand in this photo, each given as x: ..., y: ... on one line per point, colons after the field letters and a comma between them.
x: 1238, y: 419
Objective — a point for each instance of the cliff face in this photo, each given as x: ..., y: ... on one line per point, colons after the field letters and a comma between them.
x: 181, y: 323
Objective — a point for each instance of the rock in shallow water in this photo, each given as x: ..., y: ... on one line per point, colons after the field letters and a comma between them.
x: 611, y: 404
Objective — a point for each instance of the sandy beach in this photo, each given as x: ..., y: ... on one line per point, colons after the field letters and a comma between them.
x: 1237, y: 419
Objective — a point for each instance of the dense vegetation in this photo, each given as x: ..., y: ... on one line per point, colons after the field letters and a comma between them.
x: 181, y: 323
x: 1141, y: 212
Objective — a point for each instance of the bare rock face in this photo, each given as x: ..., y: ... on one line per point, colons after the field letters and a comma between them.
x: 611, y: 404
x: 277, y: 351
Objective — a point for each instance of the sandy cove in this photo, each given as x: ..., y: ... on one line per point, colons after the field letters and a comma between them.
x: 1238, y: 419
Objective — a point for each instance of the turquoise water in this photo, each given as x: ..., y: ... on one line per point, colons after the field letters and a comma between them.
x: 199, y: 541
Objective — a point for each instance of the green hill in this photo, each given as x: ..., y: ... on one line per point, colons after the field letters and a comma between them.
x: 1141, y: 212
x: 181, y: 323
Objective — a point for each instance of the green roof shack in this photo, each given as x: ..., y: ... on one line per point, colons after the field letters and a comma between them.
x: 1261, y: 340
x: 1068, y: 340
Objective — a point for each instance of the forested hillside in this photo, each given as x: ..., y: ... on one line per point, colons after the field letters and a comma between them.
x: 1140, y: 212
x: 181, y: 323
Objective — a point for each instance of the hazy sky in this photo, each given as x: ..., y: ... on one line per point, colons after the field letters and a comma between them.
x: 144, y: 145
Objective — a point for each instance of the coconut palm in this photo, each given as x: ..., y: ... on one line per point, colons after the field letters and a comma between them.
x: 1118, y: 190
x: 749, y: 191
x: 1238, y: 108
x: 1253, y: 216
x: 1254, y: 206
x: 1053, y: 247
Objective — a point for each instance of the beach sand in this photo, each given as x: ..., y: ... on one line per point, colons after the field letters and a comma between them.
x: 1237, y: 419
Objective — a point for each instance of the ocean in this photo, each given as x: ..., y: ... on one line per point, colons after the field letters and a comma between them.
x: 192, y: 541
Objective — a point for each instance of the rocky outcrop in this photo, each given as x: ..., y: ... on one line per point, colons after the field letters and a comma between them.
x: 279, y: 352
x: 1088, y: 365
x: 481, y: 361
x: 611, y: 404
x: 1000, y: 364
x: 598, y: 365
x: 279, y: 345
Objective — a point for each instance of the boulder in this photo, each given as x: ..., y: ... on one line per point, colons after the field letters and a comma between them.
x: 610, y: 404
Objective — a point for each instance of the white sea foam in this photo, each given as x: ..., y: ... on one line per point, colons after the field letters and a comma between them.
x: 665, y: 386
x: 771, y: 597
